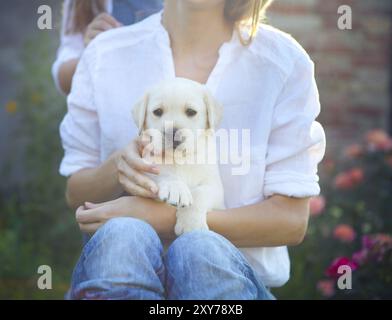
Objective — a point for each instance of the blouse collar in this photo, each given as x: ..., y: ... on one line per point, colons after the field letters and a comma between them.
x: 227, y: 52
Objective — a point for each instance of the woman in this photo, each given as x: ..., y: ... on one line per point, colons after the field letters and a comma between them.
x: 266, y: 84
x: 83, y: 21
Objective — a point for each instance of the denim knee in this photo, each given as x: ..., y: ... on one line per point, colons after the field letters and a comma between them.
x: 122, y: 260
x: 121, y: 226
x: 205, y: 265
x: 122, y: 239
x: 133, y: 233
x: 196, y: 247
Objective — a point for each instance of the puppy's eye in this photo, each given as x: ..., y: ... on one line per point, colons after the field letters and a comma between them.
x: 190, y: 112
x: 158, y: 112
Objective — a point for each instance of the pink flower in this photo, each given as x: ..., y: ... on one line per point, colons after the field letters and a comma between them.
x: 353, y: 151
x: 383, y: 238
x: 326, y: 287
x: 332, y: 270
x: 370, y: 241
x: 356, y: 175
x: 378, y: 139
x: 347, y: 180
x: 344, y: 233
x: 343, y: 181
x: 317, y: 205
x: 360, y: 257
x: 374, y: 248
x: 367, y: 242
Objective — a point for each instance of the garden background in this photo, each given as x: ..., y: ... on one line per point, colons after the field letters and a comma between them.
x: 350, y: 222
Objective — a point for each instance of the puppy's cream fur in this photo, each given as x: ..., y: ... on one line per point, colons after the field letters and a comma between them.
x: 194, y: 187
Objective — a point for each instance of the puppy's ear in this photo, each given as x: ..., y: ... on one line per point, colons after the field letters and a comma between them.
x: 139, y: 112
x: 214, y: 110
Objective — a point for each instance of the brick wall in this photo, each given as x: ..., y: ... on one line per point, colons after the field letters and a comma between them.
x: 352, y: 66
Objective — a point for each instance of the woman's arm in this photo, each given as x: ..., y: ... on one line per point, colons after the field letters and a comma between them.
x: 161, y: 216
x: 94, y: 185
x: 277, y: 221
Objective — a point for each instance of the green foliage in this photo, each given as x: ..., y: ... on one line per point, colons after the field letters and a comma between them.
x: 36, y: 227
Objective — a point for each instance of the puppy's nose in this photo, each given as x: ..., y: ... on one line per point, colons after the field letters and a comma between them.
x: 171, y: 137
x: 174, y: 132
x: 176, y: 139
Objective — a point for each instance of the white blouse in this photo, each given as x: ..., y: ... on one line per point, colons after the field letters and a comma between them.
x: 268, y: 88
x: 71, y: 45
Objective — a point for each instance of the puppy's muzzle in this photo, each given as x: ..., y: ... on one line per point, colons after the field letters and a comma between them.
x: 173, y: 137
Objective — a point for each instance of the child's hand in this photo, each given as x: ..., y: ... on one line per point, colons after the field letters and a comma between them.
x: 101, y: 23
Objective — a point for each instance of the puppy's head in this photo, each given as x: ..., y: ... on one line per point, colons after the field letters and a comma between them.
x: 177, y: 112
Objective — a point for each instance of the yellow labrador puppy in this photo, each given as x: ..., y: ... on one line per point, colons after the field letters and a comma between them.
x: 176, y: 120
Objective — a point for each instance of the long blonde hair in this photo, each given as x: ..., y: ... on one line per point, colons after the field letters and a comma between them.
x: 246, y: 14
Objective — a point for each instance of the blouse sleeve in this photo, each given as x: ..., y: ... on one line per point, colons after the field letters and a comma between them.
x: 297, y: 142
x: 71, y: 45
x: 79, y: 130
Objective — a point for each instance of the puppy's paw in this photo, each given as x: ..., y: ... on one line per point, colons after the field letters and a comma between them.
x: 175, y: 193
x: 184, y: 225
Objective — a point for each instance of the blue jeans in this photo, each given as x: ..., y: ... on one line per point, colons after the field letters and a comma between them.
x: 125, y: 260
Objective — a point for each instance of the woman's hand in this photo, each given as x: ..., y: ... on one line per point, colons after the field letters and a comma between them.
x: 130, y: 167
x: 101, y: 23
x: 160, y: 216
x: 122, y: 172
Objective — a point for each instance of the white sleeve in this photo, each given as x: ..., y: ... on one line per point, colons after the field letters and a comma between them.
x: 71, y: 45
x: 79, y: 130
x: 297, y: 142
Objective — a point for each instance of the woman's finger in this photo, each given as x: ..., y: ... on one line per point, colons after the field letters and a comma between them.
x: 147, y: 150
x: 139, y: 164
x: 143, y: 181
x: 90, y: 215
x: 137, y: 178
x: 134, y: 189
x: 90, y: 205
x: 90, y: 227
x: 142, y: 144
x: 132, y: 156
x: 146, y: 147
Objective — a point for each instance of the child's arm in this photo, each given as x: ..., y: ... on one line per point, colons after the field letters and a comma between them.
x: 65, y: 75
